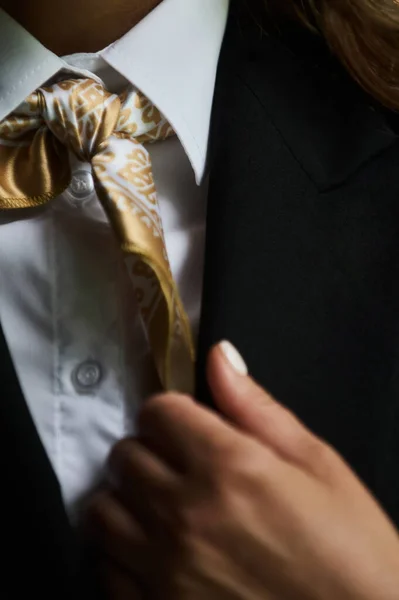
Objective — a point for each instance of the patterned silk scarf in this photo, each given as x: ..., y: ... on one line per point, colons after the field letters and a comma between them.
x: 109, y: 131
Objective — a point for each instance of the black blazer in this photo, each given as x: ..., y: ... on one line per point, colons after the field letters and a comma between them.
x: 302, y: 274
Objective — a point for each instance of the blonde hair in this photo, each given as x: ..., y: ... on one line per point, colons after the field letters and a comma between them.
x: 364, y: 34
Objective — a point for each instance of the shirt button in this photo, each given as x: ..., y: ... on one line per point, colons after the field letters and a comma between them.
x: 87, y: 375
x: 82, y: 185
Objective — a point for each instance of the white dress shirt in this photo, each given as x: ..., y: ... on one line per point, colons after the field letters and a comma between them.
x: 66, y: 304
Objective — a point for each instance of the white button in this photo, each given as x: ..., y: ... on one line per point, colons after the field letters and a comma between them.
x: 82, y: 185
x: 87, y: 375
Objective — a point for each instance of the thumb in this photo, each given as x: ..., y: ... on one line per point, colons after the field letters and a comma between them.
x: 251, y: 408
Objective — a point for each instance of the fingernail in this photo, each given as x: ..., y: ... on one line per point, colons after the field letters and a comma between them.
x: 234, y: 358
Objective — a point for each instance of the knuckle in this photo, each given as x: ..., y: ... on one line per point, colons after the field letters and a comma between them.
x: 327, y: 457
x: 194, y: 518
x: 183, y: 519
x: 117, y: 457
x: 295, y: 438
x: 159, y: 404
x: 318, y: 454
x: 235, y: 473
x: 121, y: 454
x: 185, y: 542
x: 190, y: 523
x: 152, y: 407
x: 235, y: 459
x: 98, y: 517
x: 125, y: 464
x: 246, y: 479
x: 308, y: 447
x: 224, y: 451
x: 222, y: 471
x: 180, y: 584
x: 230, y: 483
x: 263, y: 400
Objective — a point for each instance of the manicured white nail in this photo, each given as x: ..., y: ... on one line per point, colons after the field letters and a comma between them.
x: 234, y: 358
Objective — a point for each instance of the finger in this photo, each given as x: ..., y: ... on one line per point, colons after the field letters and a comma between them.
x: 116, y: 534
x: 253, y: 410
x: 190, y: 434
x: 119, y: 585
x: 155, y: 442
x: 146, y: 485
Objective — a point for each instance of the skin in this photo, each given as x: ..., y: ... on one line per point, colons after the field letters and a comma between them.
x: 249, y: 505
x: 69, y: 26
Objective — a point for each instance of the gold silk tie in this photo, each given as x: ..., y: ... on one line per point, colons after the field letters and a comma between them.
x: 109, y: 131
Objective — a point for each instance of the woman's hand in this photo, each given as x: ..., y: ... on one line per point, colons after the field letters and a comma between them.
x: 249, y: 505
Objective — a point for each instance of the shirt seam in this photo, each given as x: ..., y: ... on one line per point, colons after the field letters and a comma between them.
x: 27, y: 75
x: 56, y: 356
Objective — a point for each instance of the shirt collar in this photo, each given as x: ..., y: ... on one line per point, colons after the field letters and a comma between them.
x: 171, y: 56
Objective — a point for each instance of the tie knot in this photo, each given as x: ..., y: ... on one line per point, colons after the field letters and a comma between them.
x: 81, y: 113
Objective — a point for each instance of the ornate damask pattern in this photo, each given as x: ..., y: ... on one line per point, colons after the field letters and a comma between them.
x: 110, y: 132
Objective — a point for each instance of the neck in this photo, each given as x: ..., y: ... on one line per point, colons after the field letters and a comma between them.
x: 69, y: 26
